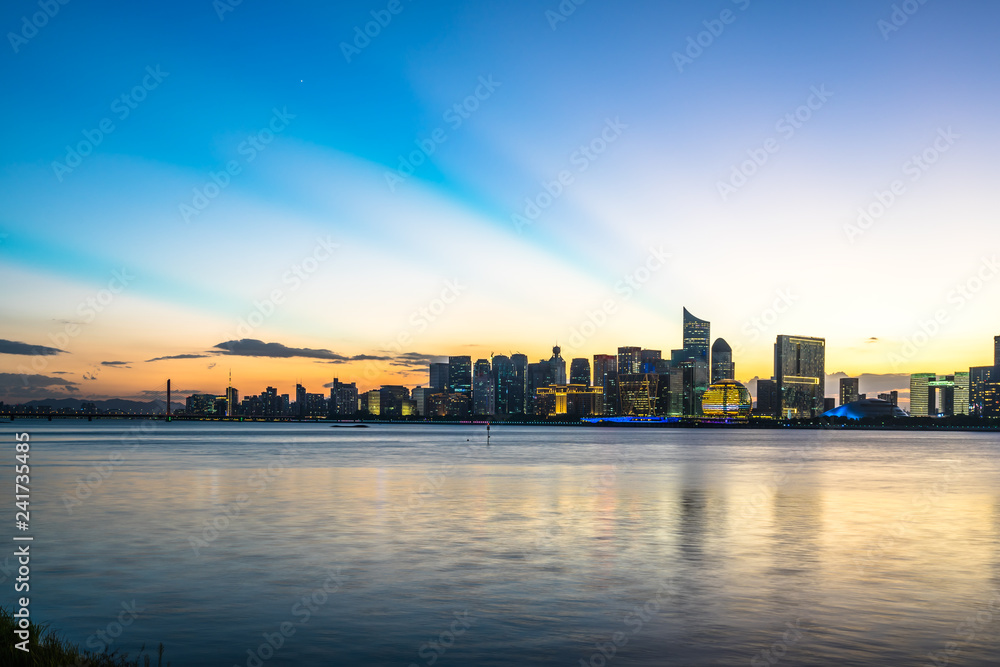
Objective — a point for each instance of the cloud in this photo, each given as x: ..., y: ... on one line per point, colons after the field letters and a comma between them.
x: 14, y: 347
x: 22, y: 386
x: 179, y: 356
x: 249, y: 347
x: 90, y: 376
x: 416, y: 359
x: 117, y: 364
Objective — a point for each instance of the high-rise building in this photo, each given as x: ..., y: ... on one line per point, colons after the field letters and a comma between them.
x: 944, y: 389
x: 519, y: 388
x: 605, y: 368
x: 300, y: 400
x: 638, y: 392
x: 961, y: 393
x: 391, y: 399
x: 723, y: 367
x: 579, y: 371
x: 438, y: 377
x: 459, y: 375
x: 767, y: 398
x: 343, y: 398
x: 800, y: 371
x: 996, y: 351
x: 980, y: 378
x: 849, y: 390
x: 539, y: 375
x: 697, y: 335
x: 922, y: 395
x: 419, y: 397
x: 232, y: 401
x: 483, y: 388
x: 629, y: 360
x: 648, y: 359
x: 558, y: 366
x: 503, y: 380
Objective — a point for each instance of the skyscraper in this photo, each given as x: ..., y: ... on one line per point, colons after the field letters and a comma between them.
x: 605, y: 375
x: 300, y: 400
x: 767, y: 398
x: 996, y: 351
x: 980, y: 379
x: 519, y: 387
x: 438, y: 377
x: 849, y: 391
x: 800, y: 373
x: 922, y: 403
x: 579, y: 371
x: 629, y: 360
x: 697, y: 335
x: 459, y: 375
x: 723, y: 367
x: 648, y: 360
x: 483, y: 389
x: 558, y: 366
x: 503, y: 379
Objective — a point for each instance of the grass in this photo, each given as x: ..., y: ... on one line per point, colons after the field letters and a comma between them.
x: 48, y: 650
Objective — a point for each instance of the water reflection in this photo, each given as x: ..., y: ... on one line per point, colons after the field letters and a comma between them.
x: 699, y: 548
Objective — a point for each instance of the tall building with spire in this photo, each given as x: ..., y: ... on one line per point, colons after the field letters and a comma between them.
x: 558, y: 366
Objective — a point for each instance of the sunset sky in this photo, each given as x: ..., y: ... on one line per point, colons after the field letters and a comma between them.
x: 489, y: 177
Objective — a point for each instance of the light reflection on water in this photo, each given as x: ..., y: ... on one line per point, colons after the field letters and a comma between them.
x: 662, y: 546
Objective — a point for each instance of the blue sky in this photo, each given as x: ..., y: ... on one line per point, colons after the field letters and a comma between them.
x: 887, y: 95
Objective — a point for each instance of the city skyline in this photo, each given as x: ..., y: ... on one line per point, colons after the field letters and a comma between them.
x: 575, y: 179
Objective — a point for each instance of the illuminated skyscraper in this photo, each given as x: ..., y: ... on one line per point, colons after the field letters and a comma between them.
x: 922, y: 395
x: 579, y: 371
x: 503, y: 380
x: 849, y: 391
x: 996, y: 351
x: 459, y: 375
x: 980, y: 378
x: 648, y: 360
x: 300, y: 400
x: 800, y: 373
x: 629, y: 360
x: 723, y: 367
x: 697, y: 335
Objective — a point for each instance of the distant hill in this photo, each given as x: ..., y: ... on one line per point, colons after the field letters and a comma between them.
x: 116, y: 404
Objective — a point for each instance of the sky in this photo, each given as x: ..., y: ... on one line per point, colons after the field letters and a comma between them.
x: 315, y: 190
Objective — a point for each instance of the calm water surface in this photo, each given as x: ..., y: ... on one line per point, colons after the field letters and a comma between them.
x: 420, y: 545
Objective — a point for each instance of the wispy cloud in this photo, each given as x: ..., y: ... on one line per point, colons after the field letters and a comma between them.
x: 117, y: 364
x: 179, y: 356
